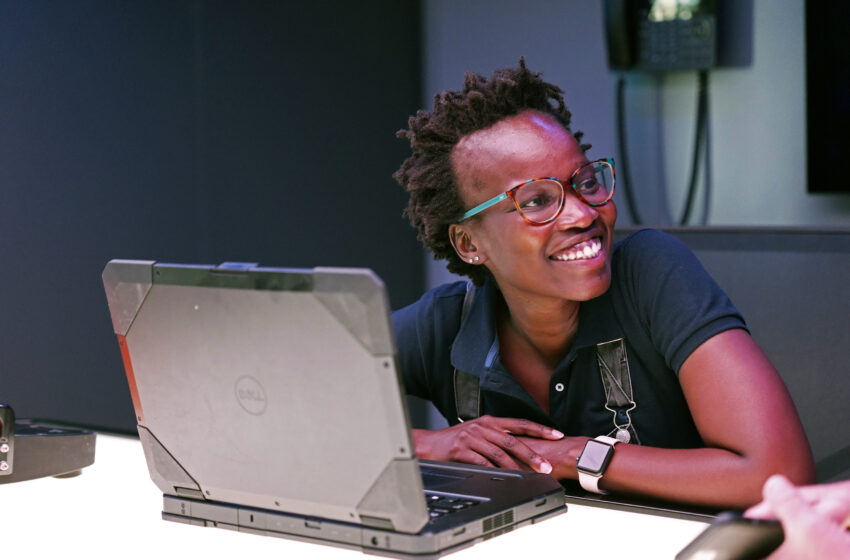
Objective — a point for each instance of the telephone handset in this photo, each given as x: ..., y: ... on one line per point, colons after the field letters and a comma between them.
x: 661, y: 35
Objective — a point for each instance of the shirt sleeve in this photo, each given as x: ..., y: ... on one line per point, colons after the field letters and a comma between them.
x: 678, y: 303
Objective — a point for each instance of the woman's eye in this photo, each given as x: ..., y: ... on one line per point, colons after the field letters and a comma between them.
x: 588, y: 187
x: 536, y: 202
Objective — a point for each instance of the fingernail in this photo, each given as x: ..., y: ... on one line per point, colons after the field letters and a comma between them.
x: 545, y: 467
x: 557, y: 434
x: 777, y: 481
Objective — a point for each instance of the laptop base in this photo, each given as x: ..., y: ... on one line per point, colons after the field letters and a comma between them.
x: 423, y: 546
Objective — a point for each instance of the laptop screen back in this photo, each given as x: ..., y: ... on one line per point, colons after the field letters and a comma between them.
x: 271, y: 388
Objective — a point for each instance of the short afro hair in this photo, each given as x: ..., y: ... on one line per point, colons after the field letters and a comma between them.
x: 427, y: 174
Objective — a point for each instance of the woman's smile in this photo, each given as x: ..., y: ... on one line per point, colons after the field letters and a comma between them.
x: 585, y: 250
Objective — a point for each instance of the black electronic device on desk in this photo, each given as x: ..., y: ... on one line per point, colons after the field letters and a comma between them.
x: 32, y: 449
x: 733, y: 537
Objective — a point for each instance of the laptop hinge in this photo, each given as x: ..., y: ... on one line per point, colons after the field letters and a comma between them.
x: 377, y: 522
x: 188, y: 493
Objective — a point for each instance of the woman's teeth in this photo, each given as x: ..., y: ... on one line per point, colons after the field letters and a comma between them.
x: 584, y: 250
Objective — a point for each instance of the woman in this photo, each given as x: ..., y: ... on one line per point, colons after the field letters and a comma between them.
x: 624, y: 367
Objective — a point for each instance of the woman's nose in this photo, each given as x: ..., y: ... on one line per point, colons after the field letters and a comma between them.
x: 576, y: 213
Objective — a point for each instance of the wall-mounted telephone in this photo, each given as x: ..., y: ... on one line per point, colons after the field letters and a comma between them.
x: 661, y: 35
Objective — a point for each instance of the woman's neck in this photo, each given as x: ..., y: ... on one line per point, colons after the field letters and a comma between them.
x: 543, y: 328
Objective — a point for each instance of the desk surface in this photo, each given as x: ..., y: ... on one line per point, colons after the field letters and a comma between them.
x: 113, y: 510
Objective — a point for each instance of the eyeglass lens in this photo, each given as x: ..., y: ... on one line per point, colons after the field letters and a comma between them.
x: 541, y: 200
x: 594, y: 182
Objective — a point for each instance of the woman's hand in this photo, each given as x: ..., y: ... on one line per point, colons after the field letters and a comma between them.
x: 814, y: 518
x: 561, y: 454
x: 487, y: 441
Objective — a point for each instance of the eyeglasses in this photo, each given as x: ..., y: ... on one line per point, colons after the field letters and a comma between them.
x: 539, y: 201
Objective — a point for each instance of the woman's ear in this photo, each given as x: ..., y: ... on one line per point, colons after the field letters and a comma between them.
x: 463, y: 244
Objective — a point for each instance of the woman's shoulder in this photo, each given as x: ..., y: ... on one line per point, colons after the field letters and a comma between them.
x: 432, y: 319
x: 450, y: 295
x: 650, y: 247
x: 443, y: 291
x: 648, y: 240
x: 648, y: 258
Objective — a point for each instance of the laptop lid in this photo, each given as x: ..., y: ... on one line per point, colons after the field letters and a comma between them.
x: 234, y: 370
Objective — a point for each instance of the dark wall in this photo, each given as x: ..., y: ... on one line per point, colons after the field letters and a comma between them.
x: 193, y: 132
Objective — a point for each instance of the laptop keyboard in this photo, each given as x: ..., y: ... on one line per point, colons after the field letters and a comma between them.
x: 439, y: 506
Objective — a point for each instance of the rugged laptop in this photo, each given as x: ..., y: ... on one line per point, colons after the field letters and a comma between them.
x: 268, y: 401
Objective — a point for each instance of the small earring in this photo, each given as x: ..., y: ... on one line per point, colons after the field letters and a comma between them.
x: 476, y: 258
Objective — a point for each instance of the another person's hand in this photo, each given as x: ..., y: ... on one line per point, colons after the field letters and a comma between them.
x: 814, y: 518
x: 487, y: 441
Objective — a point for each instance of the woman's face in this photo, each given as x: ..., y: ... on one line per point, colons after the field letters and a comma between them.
x: 568, y: 258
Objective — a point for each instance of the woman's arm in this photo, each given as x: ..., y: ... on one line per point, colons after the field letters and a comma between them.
x: 745, y: 417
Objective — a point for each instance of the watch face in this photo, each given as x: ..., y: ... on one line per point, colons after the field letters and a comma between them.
x: 595, y: 457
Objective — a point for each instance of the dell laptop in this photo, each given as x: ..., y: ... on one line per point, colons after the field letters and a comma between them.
x: 268, y: 401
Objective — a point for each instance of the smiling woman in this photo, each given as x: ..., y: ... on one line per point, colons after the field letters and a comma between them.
x: 531, y: 144
x: 622, y: 366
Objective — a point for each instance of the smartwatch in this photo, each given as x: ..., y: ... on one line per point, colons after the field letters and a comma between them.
x: 593, y: 461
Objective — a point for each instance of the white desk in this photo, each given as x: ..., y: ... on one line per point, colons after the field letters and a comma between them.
x: 112, y: 510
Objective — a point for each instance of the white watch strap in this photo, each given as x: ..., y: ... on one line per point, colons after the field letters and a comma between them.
x: 590, y: 482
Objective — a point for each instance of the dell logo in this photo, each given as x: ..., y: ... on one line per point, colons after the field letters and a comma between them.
x: 250, y: 395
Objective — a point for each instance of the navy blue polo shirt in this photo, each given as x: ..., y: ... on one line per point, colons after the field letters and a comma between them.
x: 661, y: 301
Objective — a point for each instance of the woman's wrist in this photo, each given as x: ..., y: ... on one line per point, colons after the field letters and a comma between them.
x: 420, y: 443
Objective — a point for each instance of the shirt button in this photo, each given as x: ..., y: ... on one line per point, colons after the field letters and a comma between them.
x: 559, y: 387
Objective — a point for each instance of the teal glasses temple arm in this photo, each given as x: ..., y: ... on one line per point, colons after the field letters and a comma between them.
x: 484, y: 206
